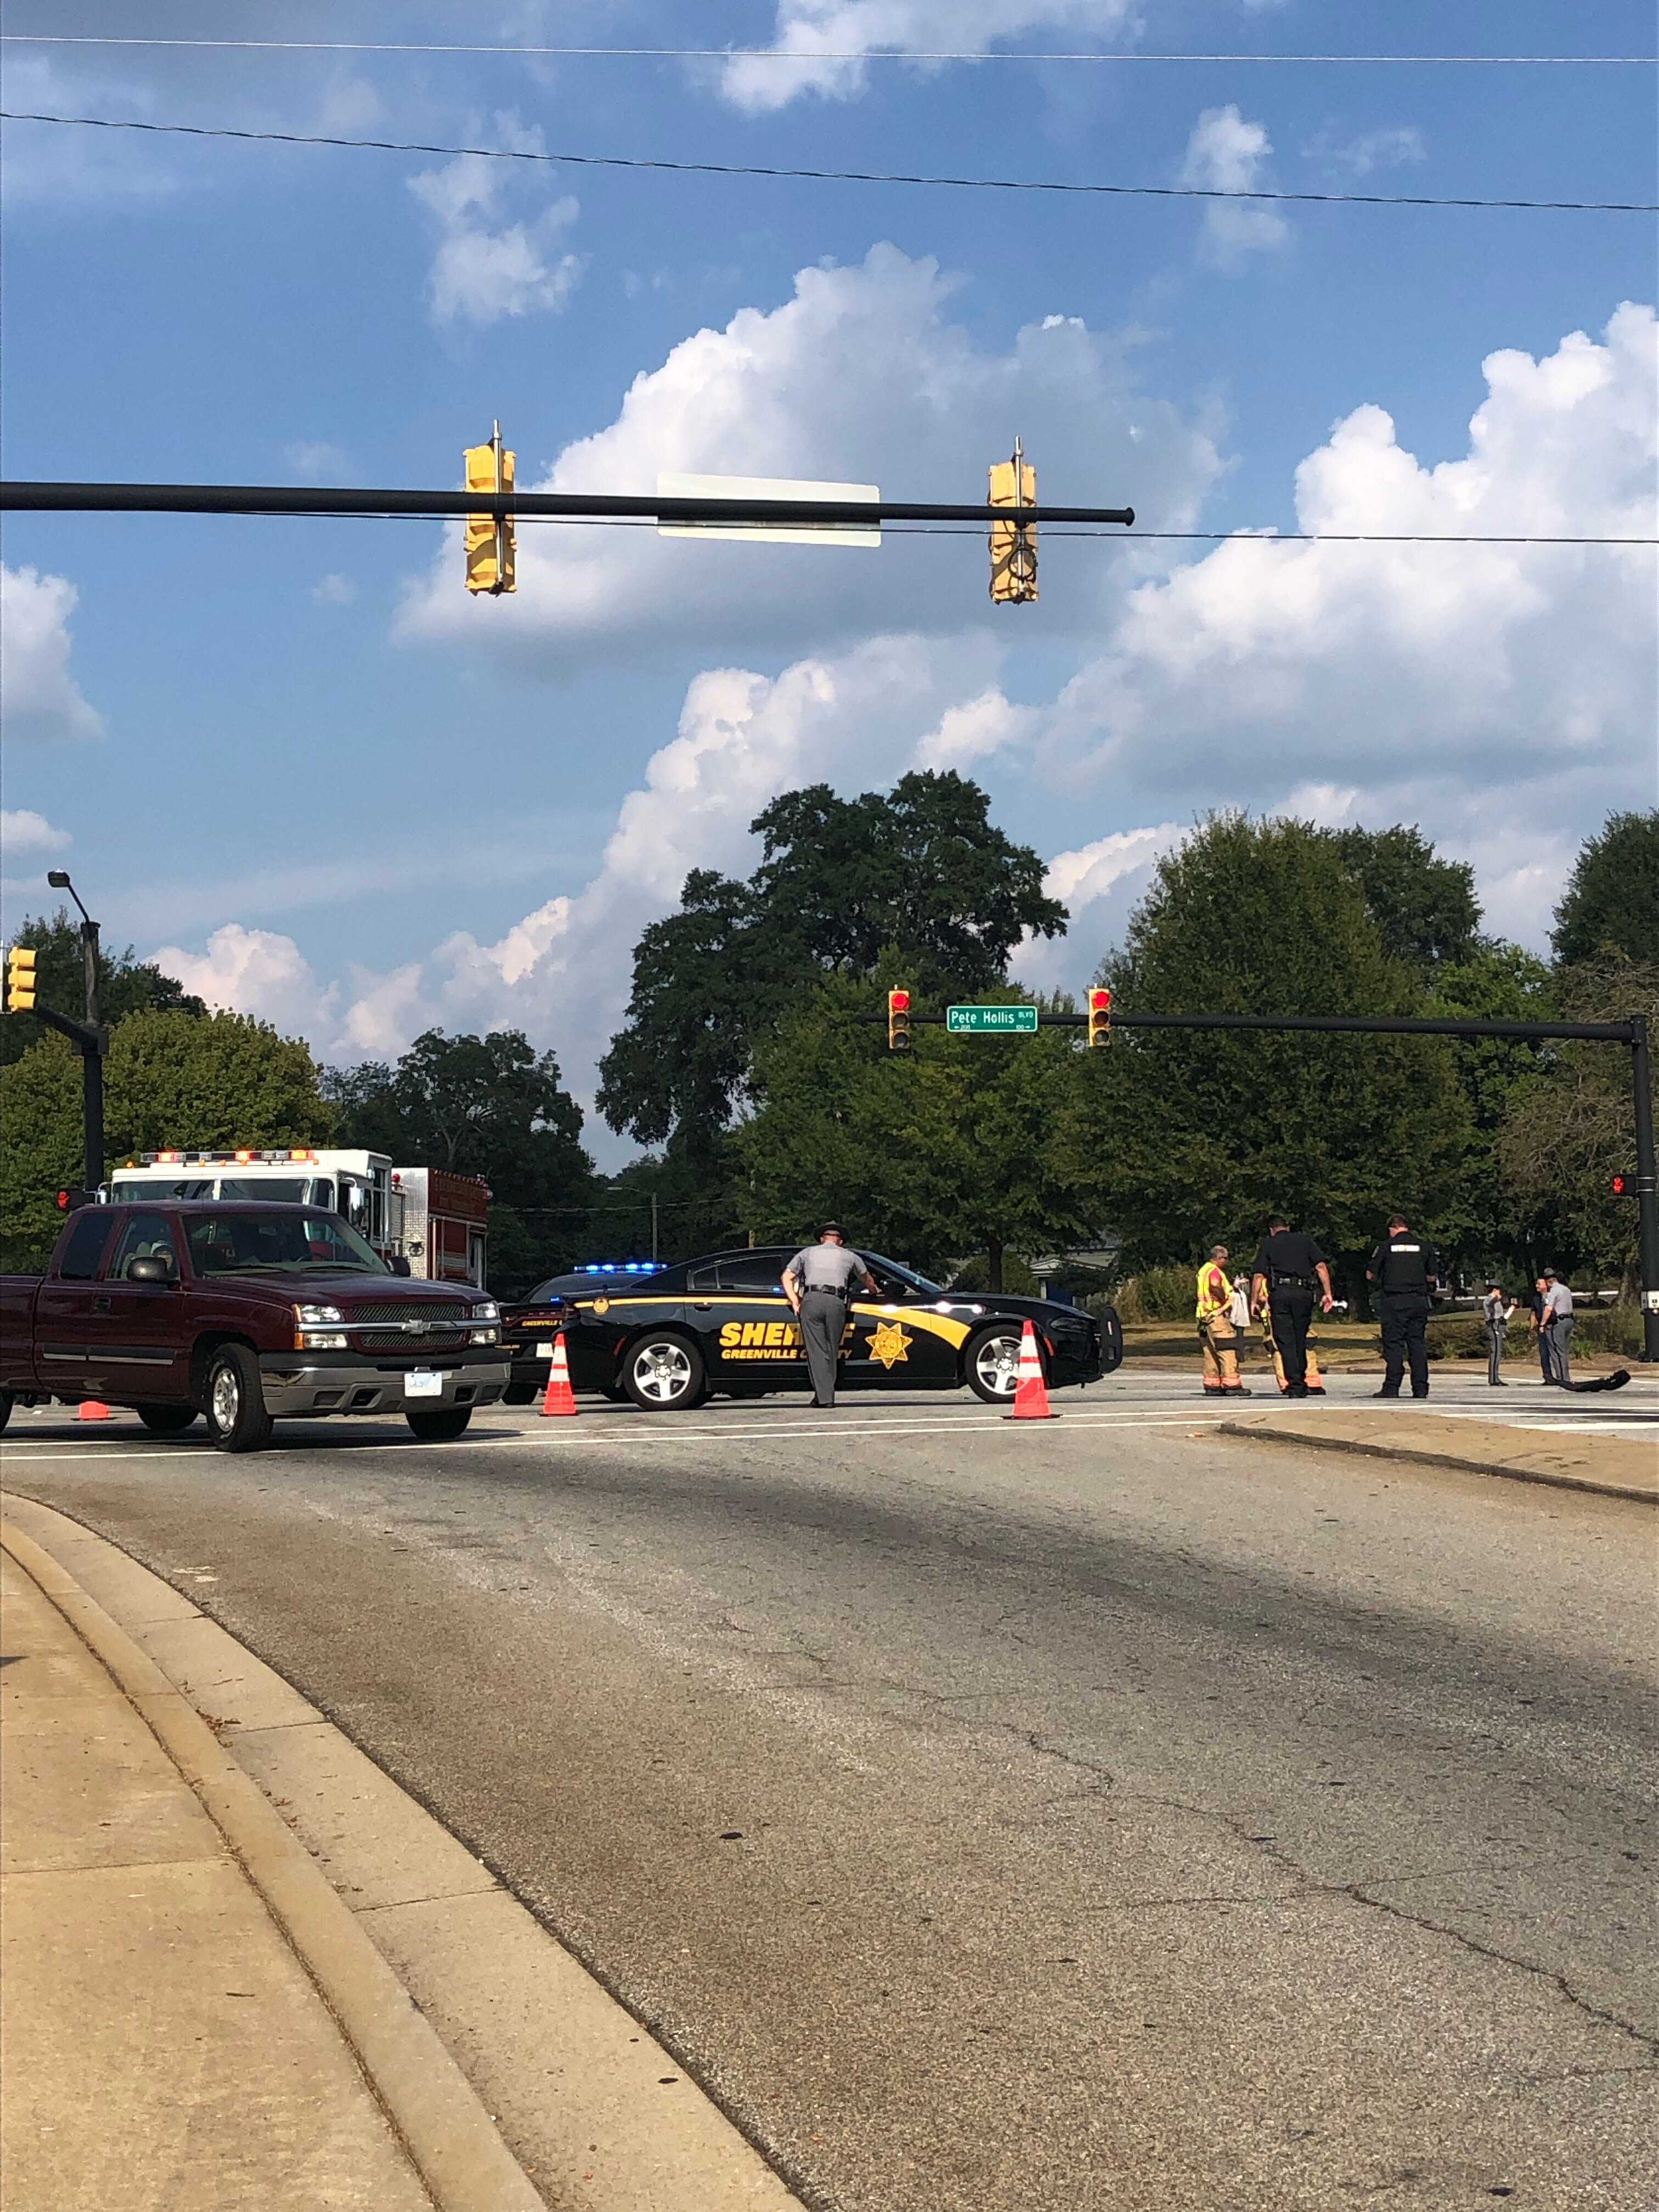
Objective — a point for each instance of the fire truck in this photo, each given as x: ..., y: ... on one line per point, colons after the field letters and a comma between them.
x: 432, y: 1218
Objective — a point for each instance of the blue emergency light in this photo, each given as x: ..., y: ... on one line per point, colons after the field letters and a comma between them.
x: 621, y: 1267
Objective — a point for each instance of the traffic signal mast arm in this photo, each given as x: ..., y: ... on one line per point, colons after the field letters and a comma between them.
x: 545, y: 506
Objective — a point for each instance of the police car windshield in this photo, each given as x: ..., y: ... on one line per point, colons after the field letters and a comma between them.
x: 906, y: 1275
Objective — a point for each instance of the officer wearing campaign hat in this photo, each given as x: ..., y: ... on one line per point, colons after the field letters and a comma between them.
x: 818, y: 1283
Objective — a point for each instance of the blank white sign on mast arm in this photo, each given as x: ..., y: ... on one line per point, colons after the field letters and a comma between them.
x: 774, y: 533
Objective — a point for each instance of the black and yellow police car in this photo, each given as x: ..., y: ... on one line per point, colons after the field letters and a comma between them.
x: 673, y: 1337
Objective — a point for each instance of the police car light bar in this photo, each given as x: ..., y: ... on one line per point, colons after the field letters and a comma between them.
x: 619, y: 1267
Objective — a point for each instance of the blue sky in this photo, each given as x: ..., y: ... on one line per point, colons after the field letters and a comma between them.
x: 295, y: 756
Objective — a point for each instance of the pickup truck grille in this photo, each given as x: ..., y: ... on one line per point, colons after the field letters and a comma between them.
x: 442, y: 1338
x: 402, y: 1309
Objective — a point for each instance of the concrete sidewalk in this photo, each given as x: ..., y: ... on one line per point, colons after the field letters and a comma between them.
x: 1612, y: 1465
x: 164, y: 2047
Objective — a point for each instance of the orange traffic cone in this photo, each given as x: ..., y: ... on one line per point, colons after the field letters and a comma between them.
x: 561, y: 1398
x: 1031, y: 1391
x: 94, y: 1409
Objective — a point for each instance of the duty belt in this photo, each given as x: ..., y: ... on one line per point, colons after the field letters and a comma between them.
x: 1292, y: 1282
x: 825, y: 1291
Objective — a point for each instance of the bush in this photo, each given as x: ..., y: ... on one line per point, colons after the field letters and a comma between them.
x: 1157, y: 1294
x: 1609, y: 1328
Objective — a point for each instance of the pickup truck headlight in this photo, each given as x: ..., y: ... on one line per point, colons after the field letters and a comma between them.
x: 487, y: 1312
x: 485, y: 1335
x: 321, y: 1340
x: 310, y: 1316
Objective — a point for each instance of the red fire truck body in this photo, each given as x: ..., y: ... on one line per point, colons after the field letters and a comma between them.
x: 441, y: 1221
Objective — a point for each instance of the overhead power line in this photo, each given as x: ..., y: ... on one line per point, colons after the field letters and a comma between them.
x: 788, y: 59
x: 825, y: 176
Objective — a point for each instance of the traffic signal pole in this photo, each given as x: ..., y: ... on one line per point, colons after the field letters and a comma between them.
x: 1647, y: 1196
x: 1632, y: 1032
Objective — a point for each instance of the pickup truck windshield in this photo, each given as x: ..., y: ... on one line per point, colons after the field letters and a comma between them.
x: 257, y: 1242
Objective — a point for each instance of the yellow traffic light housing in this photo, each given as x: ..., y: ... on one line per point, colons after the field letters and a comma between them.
x: 1100, y: 1016
x: 490, y: 546
x: 1014, y: 544
x: 20, y: 979
x: 898, y: 1021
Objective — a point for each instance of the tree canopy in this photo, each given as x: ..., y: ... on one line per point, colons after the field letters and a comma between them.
x: 490, y: 1106
x: 959, y: 1147
x: 171, y: 1078
x: 126, y: 985
x: 1424, y: 907
x: 919, y: 870
x: 1198, y: 1134
x: 1610, y: 910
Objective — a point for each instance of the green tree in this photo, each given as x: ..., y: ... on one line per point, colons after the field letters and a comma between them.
x: 919, y: 870
x: 1197, y: 1134
x: 1424, y: 908
x: 489, y: 1106
x: 1496, y: 982
x: 1610, y: 910
x: 171, y: 1078
x: 957, y: 1148
x: 1569, y: 1127
x: 126, y: 985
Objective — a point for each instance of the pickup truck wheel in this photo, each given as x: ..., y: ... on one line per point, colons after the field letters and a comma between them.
x: 235, y: 1408
x: 664, y: 1374
x: 7, y: 1402
x: 165, y: 1420
x: 441, y: 1427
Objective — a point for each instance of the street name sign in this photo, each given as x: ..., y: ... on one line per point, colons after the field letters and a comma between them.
x: 777, y: 534
x: 991, y: 1021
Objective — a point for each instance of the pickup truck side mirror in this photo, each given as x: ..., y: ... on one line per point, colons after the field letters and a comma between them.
x: 398, y: 1264
x: 152, y: 1270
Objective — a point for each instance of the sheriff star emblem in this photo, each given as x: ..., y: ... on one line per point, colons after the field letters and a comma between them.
x: 889, y: 1343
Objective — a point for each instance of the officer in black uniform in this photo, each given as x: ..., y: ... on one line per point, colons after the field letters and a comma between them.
x: 1290, y: 1263
x: 1403, y: 1267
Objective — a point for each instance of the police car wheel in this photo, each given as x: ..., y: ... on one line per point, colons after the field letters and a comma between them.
x: 664, y: 1374
x: 992, y: 1364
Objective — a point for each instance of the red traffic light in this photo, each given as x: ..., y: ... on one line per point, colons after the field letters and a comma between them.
x: 899, y: 1001
x: 1622, y: 1184
x: 1100, y: 1002
x: 63, y: 1201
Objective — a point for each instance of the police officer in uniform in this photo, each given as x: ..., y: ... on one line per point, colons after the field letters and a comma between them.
x: 1403, y: 1267
x: 817, y: 1283
x: 1288, y: 1266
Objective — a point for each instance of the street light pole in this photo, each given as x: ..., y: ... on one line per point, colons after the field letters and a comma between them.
x: 92, y: 1048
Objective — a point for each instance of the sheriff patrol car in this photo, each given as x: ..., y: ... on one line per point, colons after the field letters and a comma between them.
x: 721, y: 1324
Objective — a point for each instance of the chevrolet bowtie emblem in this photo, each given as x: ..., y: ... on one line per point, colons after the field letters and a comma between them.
x: 413, y: 1328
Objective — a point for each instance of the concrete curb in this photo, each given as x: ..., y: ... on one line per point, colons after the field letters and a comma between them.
x: 1268, y: 1435
x: 453, y: 2143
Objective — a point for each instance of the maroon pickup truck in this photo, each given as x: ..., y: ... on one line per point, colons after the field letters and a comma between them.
x: 244, y: 1313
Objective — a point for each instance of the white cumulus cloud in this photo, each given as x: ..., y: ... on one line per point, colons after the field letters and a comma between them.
x: 483, y: 267
x: 1503, y: 695
x: 827, y: 39
x: 865, y: 375
x: 39, y: 697
x: 255, y: 971
x: 1226, y: 154
x: 22, y: 830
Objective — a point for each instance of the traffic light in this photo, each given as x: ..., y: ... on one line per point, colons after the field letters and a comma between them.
x: 1014, y: 544
x: 1100, y: 1016
x: 71, y: 1200
x: 491, y: 549
x: 1624, y: 1186
x: 898, y: 1021
x: 20, y: 979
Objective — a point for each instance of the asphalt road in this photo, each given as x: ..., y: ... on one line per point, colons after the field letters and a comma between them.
x: 1095, y: 1813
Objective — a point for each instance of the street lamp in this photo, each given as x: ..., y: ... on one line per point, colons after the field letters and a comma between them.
x: 91, y: 1062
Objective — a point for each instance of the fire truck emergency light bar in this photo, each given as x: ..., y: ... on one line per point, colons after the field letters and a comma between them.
x: 202, y: 1160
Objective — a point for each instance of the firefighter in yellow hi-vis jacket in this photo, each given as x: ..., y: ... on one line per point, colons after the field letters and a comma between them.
x: 1316, y: 1380
x: 1215, y: 1333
